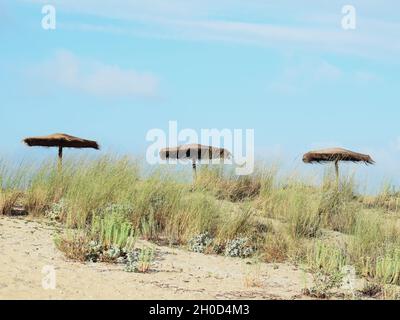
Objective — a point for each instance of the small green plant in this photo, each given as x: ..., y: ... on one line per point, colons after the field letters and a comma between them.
x: 140, y: 260
x: 113, y: 230
x: 131, y: 262
x: 94, y: 251
x: 56, y: 211
x: 107, y: 238
x: 200, y: 243
x: 113, y: 253
x: 239, y: 247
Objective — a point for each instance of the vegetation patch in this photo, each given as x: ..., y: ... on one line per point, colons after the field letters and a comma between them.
x: 108, y: 202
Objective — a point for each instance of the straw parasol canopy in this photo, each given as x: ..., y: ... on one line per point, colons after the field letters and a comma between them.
x: 194, y: 152
x: 335, y: 155
x: 61, y: 140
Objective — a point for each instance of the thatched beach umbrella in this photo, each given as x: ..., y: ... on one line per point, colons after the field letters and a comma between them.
x: 335, y: 155
x: 61, y: 140
x: 194, y: 152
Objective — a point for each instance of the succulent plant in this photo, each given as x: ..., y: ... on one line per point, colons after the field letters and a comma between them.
x: 132, y: 260
x: 113, y: 253
x: 94, y: 251
x: 238, y: 248
x: 56, y: 210
x: 200, y: 242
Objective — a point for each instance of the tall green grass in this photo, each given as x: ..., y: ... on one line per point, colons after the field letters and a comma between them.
x: 157, y: 206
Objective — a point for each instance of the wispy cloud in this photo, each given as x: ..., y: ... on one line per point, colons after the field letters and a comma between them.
x: 67, y: 71
x: 210, y: 9
x: 281, y: 26
x: 316, y: 39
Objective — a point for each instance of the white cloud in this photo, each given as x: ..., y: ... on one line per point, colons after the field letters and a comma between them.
x: 95, y: 78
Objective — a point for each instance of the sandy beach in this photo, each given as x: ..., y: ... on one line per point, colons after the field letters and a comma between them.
x: 27, y: 246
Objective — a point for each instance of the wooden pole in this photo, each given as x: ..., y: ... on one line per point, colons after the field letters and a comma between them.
x: 194, y: 170
x: 337, y: 172
x: 60, y: 155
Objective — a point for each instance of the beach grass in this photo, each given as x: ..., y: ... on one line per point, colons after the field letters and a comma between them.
x: 111, y: 201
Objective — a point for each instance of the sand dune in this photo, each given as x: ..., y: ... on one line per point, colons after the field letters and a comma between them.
x: 27, y: 246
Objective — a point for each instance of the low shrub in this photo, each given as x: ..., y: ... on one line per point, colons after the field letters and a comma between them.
x: 239, y: 247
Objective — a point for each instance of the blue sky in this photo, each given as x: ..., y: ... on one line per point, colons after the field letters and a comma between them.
x: 112, y: 70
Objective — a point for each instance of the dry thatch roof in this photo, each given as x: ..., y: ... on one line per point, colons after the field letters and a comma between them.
x: 61, y: 140
x: 195, y: 152
x: 336, y: 154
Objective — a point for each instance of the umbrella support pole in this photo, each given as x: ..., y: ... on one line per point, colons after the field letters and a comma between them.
x: 194, y: 166
x: 337, y: 173
x: 60, y: 156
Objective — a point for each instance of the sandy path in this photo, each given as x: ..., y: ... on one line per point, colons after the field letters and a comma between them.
x: 26, y: 246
